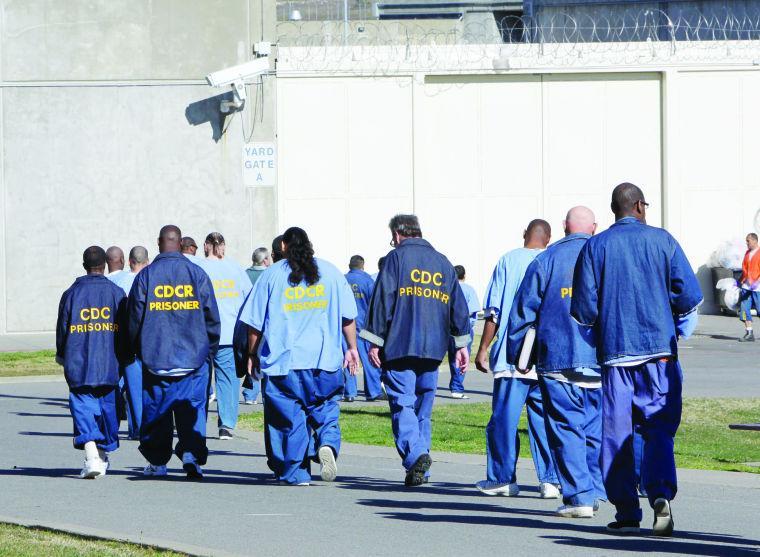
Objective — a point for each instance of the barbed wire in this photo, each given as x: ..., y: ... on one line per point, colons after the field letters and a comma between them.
x: 551, y: 38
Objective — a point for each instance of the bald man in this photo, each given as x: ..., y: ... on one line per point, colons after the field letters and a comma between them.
x: 634, y: 286
x: 115, y: 263
x: 174, y: 329
x: 568, y: 374
x: 512, y: 390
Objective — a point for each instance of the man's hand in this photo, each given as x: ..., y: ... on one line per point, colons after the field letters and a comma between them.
x: 481, y: 360
x: 254, y: 365
x: 462, y: 360
x: 351, y: 360
x: 374, y: 356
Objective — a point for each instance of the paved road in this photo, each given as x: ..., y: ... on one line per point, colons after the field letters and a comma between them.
x: 237, y: 510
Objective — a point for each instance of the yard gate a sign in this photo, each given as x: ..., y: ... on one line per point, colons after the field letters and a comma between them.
x: 259, y: 164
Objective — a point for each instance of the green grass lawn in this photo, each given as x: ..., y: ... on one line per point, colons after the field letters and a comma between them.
x: 703, y: 441
x: 20, y: 541
x: 41, y: 362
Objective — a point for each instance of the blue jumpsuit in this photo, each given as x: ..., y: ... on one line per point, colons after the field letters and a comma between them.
x: 231, y: 286
x: 90, y: 342
x: 362, y: 285
x: 568, y: 375
x: 635, y: 287
x: 511, y: 389
x: 301, y: 358
x: 174, y: 329
x: 416, y: 306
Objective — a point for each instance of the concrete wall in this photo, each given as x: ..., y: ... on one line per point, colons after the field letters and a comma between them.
x: 97, y: 146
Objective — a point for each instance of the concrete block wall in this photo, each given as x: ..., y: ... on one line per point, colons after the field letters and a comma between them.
x: 96, y: 143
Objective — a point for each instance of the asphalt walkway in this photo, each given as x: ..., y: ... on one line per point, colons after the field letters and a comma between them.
x: 238, y: 510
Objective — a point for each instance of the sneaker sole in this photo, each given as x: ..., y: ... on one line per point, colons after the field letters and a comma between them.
x: 625, y: 530
x: 494, y: 492
x: 416, y: 474
x: 577, y: 513
x: 192, y: 472
x: 329, y: 467
x: 91, y: 475
x: 663, y: 519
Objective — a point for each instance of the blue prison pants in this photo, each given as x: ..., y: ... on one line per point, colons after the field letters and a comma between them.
x: 502, y: 439
x: 94, y: 412
x: 300, y: 407
x: 227, y: 388
x: 647, y: 397
x: 170, y: 401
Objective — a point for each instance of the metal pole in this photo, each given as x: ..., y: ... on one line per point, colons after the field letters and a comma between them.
x: 345, y: 22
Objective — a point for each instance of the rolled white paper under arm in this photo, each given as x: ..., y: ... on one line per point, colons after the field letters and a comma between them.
x: 524, y: 362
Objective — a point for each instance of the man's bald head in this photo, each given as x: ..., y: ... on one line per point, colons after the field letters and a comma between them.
x: 138, y: 258
x: 169, y: 238
x: 581, y: 220
x: 538, y: 234
x: 628, y: 201
x: 115, y: 259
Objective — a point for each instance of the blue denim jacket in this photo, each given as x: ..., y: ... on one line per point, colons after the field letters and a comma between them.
x: 417, y: 305
x: 91, y: 332
x: 173, y: 317
x: 631, y: 283
x: 543, y: 301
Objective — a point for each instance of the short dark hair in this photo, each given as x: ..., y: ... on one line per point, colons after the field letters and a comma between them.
x: 380, y: 263
x: 624, y: 197
x: 188, y: 242
x: 277, y: 254
x: 406, y: 225
x: 356, y: 262
x: 459, y: 270
x: 752, y: 235
x: 94, y: 257
x: 539, y: 224
x: 169, y: 232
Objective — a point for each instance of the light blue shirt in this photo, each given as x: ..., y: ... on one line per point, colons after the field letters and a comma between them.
x: 302, y: 325
x: 116, y: 275
x: 473, y: 303
x: 231, y: 286
x: 124, y: 281
x: 500, y: 294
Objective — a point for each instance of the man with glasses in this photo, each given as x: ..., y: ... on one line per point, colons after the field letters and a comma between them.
x: 633, y: 284
x: 416, y: 306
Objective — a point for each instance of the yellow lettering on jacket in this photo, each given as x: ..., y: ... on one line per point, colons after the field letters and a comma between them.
x: 566, y: 292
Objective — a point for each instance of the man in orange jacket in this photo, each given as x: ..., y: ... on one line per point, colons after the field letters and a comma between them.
x: 750, y: 286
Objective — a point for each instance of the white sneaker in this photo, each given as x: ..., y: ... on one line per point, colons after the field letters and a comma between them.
x: 191, y: 467
x: 328, y: 467
x: 212, y: 398
x: 154, y: 470
x: 575, y: 511
x: 460, y: 396
x: 93, y: 468
x: 548, y: 491
x: 663, y: 518
x: 495, y: 488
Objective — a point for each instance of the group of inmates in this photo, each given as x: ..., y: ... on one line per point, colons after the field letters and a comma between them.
x: 599, y: 315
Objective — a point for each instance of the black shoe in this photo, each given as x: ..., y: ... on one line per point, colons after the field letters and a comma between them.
x: 624, y: 527
x: 663, y: 518
x: 749, y: 336
x: 378, y: 398
x: 348, y: 399
x: 416, y: 474
x: 193, y: 471
x: 225, y: 434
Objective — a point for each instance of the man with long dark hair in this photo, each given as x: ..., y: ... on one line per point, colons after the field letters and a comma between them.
x: 416, y: 307
x: 298, y: 312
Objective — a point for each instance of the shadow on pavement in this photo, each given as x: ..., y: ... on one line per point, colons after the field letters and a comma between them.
x: 676, y: 545
x: 39, y: 415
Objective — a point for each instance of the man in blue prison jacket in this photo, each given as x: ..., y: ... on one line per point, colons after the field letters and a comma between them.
x: 635, y: 287
x: 512, y: 390
x: 174, y: 328
x: 90, y: 343
x: 362, y: 285
x: 568, y: 375
x: 417, y: 305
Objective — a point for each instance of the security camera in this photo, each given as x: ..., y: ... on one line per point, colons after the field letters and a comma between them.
x: 235, y: 77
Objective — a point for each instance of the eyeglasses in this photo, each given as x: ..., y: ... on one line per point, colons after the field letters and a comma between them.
x: 644, y: 203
